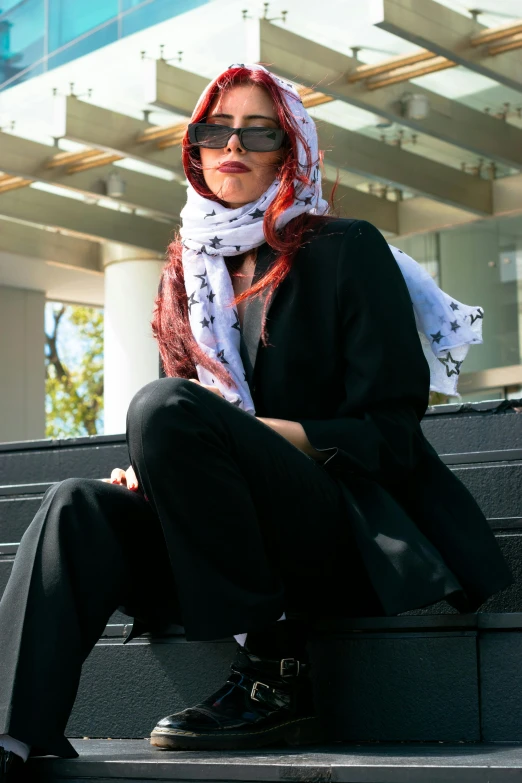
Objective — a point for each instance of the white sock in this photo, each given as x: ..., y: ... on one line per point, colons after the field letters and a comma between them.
x: 10, y: 743
x: 241, y: 637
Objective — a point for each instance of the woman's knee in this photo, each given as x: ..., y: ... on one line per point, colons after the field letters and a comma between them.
x: 63, y: 503
x: 157, y: 401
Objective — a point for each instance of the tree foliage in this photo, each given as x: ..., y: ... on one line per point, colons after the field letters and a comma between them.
x: 74, y: 371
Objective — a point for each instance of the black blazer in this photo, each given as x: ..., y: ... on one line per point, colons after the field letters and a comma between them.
x: 344, y: 359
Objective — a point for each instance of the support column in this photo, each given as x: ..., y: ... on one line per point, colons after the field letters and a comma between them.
x: 130, y: 352
x: 22, y: 363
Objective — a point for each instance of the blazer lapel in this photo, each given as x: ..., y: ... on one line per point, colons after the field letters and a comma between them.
x: 251, y: 332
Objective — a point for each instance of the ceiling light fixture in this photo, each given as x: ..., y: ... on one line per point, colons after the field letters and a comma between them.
x: 115, y: 185
x: 415, y: 106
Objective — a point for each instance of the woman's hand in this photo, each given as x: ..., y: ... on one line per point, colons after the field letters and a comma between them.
x: 210, y: 388
x: 126, y: 478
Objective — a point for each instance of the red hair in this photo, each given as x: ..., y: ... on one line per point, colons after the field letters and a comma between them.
x: 179, y: 350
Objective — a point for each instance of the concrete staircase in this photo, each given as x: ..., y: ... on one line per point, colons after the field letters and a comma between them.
x: 432, y: 676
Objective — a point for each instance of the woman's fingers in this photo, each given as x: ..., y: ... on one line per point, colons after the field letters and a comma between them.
x: 126, y: 478
x: 132, y: 481
x: 118, y: 476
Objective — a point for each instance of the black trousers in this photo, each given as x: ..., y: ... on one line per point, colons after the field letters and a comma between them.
x: 233, y: 525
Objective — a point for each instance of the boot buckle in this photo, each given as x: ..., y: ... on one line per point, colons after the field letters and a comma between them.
x: 256, y: 686
x: 289, y: 667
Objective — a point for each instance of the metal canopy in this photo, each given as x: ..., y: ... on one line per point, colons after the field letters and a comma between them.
x: 447, y: 33
x: 327, y: 70
x: 31, y: 161
x: 147, y: 208
x: 87, y: 220
x: 52, y: 246
x: 384, y: 162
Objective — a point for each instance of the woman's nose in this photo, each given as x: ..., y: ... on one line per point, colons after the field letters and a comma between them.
x: 234, y: 144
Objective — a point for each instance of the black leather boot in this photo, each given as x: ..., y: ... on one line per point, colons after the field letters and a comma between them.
x: 10, y: 766
x: 266, y: 699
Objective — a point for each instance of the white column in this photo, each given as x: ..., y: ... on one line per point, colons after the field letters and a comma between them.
x: 22, y: 363
x: 131, y: 356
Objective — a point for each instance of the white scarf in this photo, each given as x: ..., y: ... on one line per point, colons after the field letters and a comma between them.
x: 211, y: 231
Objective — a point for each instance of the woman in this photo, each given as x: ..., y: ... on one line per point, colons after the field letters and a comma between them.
x: 274, y: 483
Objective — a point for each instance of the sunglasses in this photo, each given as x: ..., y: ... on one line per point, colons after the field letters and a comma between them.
x: 253, y: 139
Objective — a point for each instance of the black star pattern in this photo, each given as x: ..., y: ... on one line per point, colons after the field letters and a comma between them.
x: 203, y: 249
x: 238, y: 402
x: 454, y: 306
x: 448, y: 362
x: 238, y: 248
x: 401, y: 251
x: 237, y: 325
x: 192, y: 301
x: 437, y: 337
x: 257, y: 213
x: 232, y: 220
x: 212, y: 319
x: 307, y: 201
x: 215, y: 243
x: 304, y: 121
x: 221, y: 356
x: 454, y: 326
x: 211, y: 214
x: 480, y: 314
x: 210, y: 297
x: 204, y: 323
x: 204, y: 283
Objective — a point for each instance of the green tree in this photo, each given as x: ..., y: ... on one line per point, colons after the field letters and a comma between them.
x: 74, y: 371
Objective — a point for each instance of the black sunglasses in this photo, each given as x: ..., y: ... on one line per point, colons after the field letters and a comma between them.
x: 253, y: 139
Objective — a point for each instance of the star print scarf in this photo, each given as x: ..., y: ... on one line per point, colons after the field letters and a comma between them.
x: 446, y: 326
x: 211, y: 231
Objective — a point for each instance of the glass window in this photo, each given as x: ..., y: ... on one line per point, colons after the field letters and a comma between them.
x: 68, y: 20
x: 6, y: 5
x: 21, y: 38
x: 153, y: 12
x: 127, y: 4
x: 102, y: 37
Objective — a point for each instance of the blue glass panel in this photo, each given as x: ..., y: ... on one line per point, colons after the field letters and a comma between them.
x: 5, y: 5
x: 35, y: 70
x: 154, y: 12
x: 106, y: 35
x: 21, y: 38
x: 126, y: 4
x: 68, y: 20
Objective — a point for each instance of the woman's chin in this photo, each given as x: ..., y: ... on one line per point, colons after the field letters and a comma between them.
x: 234, y: 196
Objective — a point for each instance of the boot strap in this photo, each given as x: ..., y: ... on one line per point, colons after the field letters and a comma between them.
x: 259, y: 691
x: 286, y: 668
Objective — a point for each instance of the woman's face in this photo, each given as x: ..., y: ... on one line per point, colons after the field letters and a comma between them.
x: 239, y: 107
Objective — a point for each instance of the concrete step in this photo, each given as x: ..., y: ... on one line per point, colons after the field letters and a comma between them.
x: 474, y: 426
x: 135, y: 761
x: 404, y: 679
x: 452, y: 429
x: 30, y: 462
x: 494, y: 478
